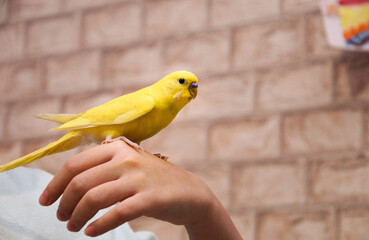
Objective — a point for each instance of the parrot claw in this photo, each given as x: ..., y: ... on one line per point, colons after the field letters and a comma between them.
x: 126, y: 140
x: 165, y: 158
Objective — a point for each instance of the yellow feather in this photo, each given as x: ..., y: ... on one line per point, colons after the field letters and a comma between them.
x: 118, y: 111
x: 136, y: 116
x: 68, y: 141
x: 60, y: 118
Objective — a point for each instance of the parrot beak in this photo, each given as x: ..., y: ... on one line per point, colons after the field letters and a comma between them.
x: 193, y: 89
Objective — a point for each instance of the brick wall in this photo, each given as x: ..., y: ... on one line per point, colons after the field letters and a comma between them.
x: 280, y: 126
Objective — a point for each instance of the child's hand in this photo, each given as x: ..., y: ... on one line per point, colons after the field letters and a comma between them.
x: 137, y: 183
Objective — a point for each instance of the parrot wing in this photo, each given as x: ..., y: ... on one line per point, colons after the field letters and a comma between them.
x: 118, y: 111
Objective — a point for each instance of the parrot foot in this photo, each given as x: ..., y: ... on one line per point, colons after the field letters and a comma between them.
x: 126, y: 140
x: 165, y: 158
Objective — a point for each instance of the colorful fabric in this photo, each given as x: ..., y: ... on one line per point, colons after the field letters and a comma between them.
x: 355, y: 21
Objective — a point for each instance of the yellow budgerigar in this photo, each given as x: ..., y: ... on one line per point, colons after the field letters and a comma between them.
x: 132, y: 117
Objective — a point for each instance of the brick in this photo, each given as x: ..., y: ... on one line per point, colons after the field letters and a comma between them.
x: 82, y: 102
x: 4, y: 12
x: 354, y: 224
x: 244, y: 223
x: 50, y: 163
x: 22, y: 124
x: 11, y: 42
x: 136, y: 65
x: 199, y: 53
x: 221, y: 97
x: 73, y: 73
x: 251, y: 138
x: 114, y: 25
x: 20, y: 81
x: 73, y: 4
x: 340, y: 181
x: 163, y: 230
x: 351, y: 81
x: 268, y: 185
x: 169, y: 141
x: 9, y: 152
x: 317, y: 42
x: 54, y: 35
x: 366, y: 126
x: 228, y: 12
x: 268, y: 43
x: 218, y: 179
x: 330, y: 130
x: 295, y: 87
x: 299, y: 6
x: 342, y: 91
x: 170, y: 17
x: 304, y: 225
x: 27, y: 9
x: 2, y: 122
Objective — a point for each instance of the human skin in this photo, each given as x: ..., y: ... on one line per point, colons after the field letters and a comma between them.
x: 137, y: 184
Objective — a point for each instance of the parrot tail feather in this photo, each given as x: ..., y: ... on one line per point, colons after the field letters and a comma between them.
x: 68, y: 141
x: 60, y: 118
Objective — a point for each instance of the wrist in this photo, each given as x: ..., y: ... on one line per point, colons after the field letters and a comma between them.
x: 213, y: 223
x: 205, y: 211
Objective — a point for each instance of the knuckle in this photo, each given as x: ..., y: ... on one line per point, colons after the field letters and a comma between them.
x: 77, y: 185
x: 128, y: 161
x: 121, y: 211
x: 119, y: 144
x: 91, y: 198
x: 71, y: 165
x: 141, y: 178
x: 131, y: 162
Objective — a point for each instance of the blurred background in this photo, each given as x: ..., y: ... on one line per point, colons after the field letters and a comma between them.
x: 279, y: 129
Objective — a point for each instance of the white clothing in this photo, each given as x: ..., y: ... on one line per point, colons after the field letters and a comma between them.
x: 21, y: 216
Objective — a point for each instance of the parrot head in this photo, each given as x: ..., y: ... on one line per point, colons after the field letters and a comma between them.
x: 181, y: 85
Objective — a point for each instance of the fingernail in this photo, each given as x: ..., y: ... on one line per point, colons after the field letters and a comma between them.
x: 61, y: 216
x: 71, y: 227
x: 90, y: 231
x: 44, y: 198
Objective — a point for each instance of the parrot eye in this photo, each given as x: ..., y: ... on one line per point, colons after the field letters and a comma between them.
x: 182, y: 81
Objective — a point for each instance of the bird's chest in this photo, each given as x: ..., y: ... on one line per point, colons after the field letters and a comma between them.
x: 148, y: 125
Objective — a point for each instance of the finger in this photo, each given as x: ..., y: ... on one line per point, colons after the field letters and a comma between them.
x: 75, y: 165
x: 100, y: 197
x: 129, y: 209
x: 81, y: 184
